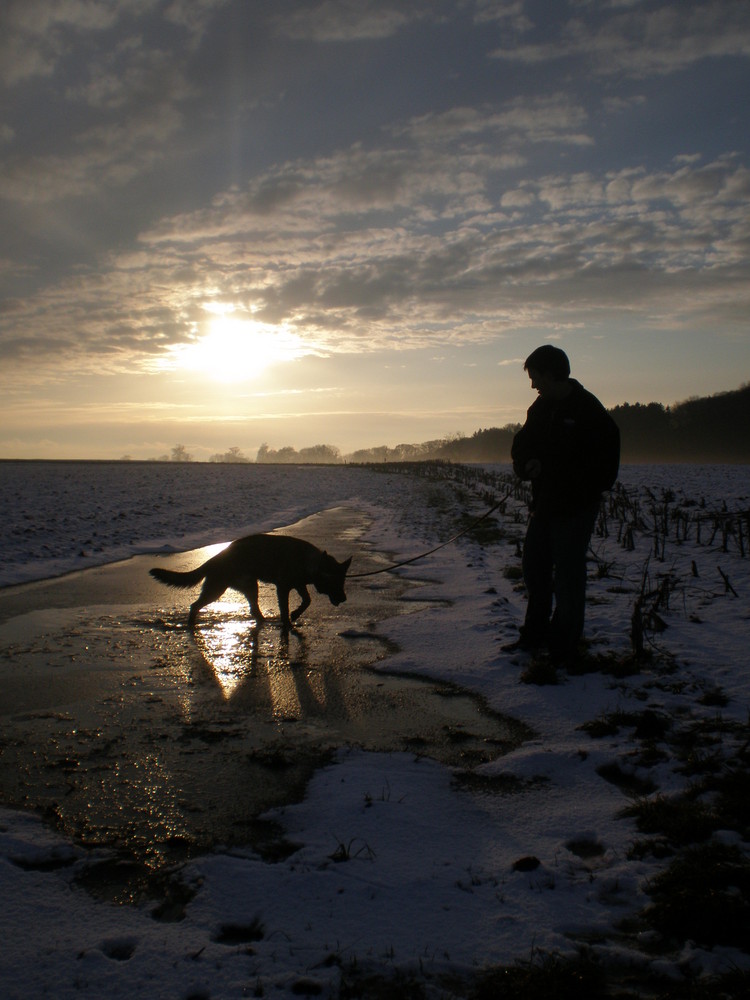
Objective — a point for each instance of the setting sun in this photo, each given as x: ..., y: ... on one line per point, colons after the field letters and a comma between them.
x: 236, y: 350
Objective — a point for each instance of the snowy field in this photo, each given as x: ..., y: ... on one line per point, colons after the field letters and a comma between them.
x: 402, y: 869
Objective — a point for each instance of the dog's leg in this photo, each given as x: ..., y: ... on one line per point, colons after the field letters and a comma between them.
x: 250, y: 590
x: 282, y: 593
x: 304, y: 593
x: 212, y: 591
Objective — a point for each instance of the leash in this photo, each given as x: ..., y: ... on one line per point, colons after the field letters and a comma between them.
x: 422, y: 555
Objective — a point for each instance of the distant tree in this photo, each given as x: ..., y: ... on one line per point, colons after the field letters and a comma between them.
x: 703, y: 429
x: 323, y: 454
x: 284, y: 455
x: 712, y: 428
x: 234, y: 455
x: 180, y: 454
x: 363, y: 455
x: 644, y: 430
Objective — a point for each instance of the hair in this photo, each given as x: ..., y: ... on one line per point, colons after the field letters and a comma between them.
x: 549, y: 360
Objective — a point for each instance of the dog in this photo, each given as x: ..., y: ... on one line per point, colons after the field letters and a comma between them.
x: 289, y: 563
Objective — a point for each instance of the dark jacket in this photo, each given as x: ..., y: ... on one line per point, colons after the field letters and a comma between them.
x: 578, y: 445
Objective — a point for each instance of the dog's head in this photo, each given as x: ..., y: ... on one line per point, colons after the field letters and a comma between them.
x: 330, y: 577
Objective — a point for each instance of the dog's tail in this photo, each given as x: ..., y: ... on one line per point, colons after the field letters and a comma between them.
x: 174, y: 579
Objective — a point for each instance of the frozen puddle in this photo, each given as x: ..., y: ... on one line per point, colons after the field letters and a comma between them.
x: 129, y: 733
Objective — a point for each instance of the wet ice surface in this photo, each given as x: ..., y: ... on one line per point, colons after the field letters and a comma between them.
x: 128, y: 731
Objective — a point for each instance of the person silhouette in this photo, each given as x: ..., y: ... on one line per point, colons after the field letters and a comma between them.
x: 569, y: 450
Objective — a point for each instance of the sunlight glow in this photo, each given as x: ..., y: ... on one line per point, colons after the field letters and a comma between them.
x: 237, y: 349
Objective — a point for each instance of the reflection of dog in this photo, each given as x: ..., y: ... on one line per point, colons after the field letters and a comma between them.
x: 289, y: 563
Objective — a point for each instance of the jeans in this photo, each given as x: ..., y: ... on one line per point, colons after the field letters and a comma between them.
x: 554, y: 571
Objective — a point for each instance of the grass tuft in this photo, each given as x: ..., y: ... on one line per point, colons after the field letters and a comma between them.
x: 647, y: 725
x: 549, y: 978
x: 681, y: 819
x: 703, y: 896
x: 359, y: 985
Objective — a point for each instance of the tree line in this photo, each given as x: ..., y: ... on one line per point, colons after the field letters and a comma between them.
x: 700, y: 429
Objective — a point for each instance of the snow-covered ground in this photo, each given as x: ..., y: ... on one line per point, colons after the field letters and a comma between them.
x: 400, y: 868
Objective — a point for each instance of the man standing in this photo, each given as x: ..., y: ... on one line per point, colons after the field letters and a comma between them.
x: 569, y: 448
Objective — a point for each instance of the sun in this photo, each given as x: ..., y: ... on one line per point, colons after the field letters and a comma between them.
x: 236, y: 349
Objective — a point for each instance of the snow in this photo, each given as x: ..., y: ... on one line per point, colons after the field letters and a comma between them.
x: 399, y: 868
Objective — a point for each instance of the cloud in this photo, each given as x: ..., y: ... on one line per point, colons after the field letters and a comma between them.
x: 453, y: 225
x: 533, y: 120
x: 359, y: 251
x: 107, y: 155
x: 33, y: 33
x: 36, y: 36
x: 645, y: 42
x: 511, y: 14
x: 129, y: 76
x: 137, y: 93
x: 350, y: 20
x: 517, y: 198
x: 193, y: 15
x: 438, y: 167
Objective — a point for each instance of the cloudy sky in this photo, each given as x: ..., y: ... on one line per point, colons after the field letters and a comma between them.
x: 229, y: 222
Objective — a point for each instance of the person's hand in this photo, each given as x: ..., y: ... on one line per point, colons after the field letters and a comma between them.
x: 533, y: 468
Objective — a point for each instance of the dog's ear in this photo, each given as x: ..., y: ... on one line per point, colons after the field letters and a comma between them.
x: 345, y: 565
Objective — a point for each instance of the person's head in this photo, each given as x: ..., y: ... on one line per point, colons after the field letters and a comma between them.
x: 549, y: 360
x: 549, y: 369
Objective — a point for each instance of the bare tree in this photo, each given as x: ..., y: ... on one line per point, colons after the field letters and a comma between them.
x: 181, y: 454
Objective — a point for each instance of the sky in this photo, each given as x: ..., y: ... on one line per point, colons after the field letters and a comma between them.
x: 227, y: 223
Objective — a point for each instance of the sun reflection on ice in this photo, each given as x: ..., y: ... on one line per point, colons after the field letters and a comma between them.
x: 231, y: 645
x: 271, y: 666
